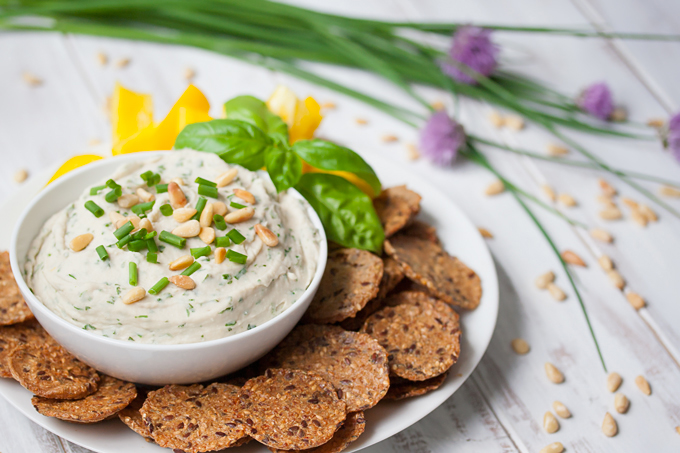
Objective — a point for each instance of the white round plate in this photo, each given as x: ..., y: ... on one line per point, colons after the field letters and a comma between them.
x: 460, y: 238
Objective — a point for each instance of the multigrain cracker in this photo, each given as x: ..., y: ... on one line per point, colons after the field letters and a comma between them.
x: 352, y: 278
x: 403, y: 388
x: 13, y: 308
x: 16, y: 335
x: 131, y: 416
x: 396, y: 207
x: 422, y: 338
x: 445, y: 276
x: 421, y: 230
x: 194, y: 418
x: 52, y: 372
x: 290, y: 409
x: 353, y: 362
x: 112, y: 396
x: 350, y: 431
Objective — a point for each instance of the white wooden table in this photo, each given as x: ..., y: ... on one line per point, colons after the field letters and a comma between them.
x: 501, y: 407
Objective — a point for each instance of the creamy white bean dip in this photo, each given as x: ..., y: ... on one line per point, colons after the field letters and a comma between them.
x: 228, y: 298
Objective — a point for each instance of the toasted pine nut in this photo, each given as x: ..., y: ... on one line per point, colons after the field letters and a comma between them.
x: 485, y: 233
x: 361, y: 121
x: 389, y: 138
x: 514, y: 122
x: 601, y: 235
x: 616, y: 278
x: 606, y: 263
x: 220, y: 254
x: 632, y: 204
x: 131, y: 218
x: 495, y: 188
x: 607, y: 188
x: 207, y: 235
x: 134, y: 295
x: 20, y: 175
x: 619, y: 114
x: 412, y: 151
x: 437, y: 105
x: 643, y: 385
x: 543, y: 280
x: 567, y: 200
x: 181, y: 215
x: 146, y: 224
x: 656, y: 122
x: 206, y: 216
x: 637, y: 217
x: 611, y: 213
x: 227, y: 177
x: 328, y: 105
x: 267, y: 235
x: 189, y: 73
x: 122, y: 62
x: 128, y: 200
x: 621, y: 403
x: 554, y: 375
x: 116, y: 217
x: 606, y: 201
x: 520, y: 346
x: 181, y: 263
x: 648, y: 213
x: 179, y: 181
x: 560, y: 409
x: 572, y: 258
x: 245, y: 195
x: 613, y: 382
x: 670, y: 191
x: 609, y: 427
x: 183, y: 281
x: 555, y: 447
x: 145, y: 195
x: 550, y: 423
x: 219, y: 208
x: 80, y: 242
x: 549, y: 192
x: 102, y: 59
x: 635, y: 300
x: 496, y: 119
x: 177, y: 198
x: 556, y: 150
x: 241, y: 215
x: 31, y: 79
x: 188, y: 229
x: 556, y: 292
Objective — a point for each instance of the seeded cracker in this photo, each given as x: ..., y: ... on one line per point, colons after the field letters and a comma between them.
x: 16, y: 335
x: 13, y: 309
x: 392, y: 275
x: 133, y: 418
x: 290, y: 409
x: 52, y: 372
x: 396, y: 207
x: 111, y: 397
x: 445, y: 276
x: 421, y: 230
x: 349, y: 432
x: 353, y: 362
x: 403, y: 388
x: 194, y: 418
x: 352, y: 278
x: 422, y: 339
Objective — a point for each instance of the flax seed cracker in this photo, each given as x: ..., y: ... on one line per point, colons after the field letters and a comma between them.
x: 13, y: 308
x: 290, y: 409
x: 396, y: 207
x: 131, y: 416
x: 444, y: 276
x: 112, y: 396
x: 353, y: 362
x: 421, y: 230
x: 403, y: 388
x: 16, y: 335
x: 349, y: 432
x: 194, y: 418
x: 352, y: 278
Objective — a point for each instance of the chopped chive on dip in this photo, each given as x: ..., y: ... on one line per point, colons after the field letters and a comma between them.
x: 152, y: 257
x: 124, y: 241
x: 205, y: 182
x: 139, y: 234
x: 137, y: 245
x: 207, y: 191
x: 200, y: 251
x: 222, y: 241
x: 191, y: 269
x: 103, y: 254
x: 150, y: 178
x: 166, y: 210
x: 172, y: 239
x: 236, y: 257
x: 111, y: 184
x: 200, y: 205
x: 113, y: 195
x: 220, y: 224
x: 124, y: 230
x: 141, y: 208
x: 96, y: 189
x: 94, y: 208
x: 151, y: 245
x: 158, y: 287
x: 132, y: 270
x: 150, y: 235
x: 161, y: 188
x: 233, y: 204
x: 235, y: 236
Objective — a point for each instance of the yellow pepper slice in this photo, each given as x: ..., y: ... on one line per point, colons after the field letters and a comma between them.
x: 307, y: 120
x: 130, y: 112
x: 187, y: 116
x: 73, y: 163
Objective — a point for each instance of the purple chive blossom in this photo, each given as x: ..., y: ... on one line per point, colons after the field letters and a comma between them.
x: 440, y: 139
x: 597, y: 100
x: 674, y: 136
x: 471, y: 46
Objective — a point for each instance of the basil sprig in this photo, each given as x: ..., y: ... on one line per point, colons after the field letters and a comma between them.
x: 254, y: 137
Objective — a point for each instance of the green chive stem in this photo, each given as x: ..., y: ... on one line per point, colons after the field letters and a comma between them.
x: 133, y: 273
x: 94, y: 208
x: 158, y: 287
x: 191, y: 269
x: 123, y: 231
x: 172, y: 239
x: 103, y: 254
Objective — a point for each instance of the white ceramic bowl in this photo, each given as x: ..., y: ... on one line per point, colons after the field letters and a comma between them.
x: 146, y: 363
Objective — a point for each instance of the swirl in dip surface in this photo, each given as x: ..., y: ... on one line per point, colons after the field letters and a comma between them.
x: 228, y: 298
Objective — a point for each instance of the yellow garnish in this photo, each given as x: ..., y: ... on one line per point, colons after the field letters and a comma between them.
x: 302, y: 117
x: 130, y: 113
x: 73, y: 163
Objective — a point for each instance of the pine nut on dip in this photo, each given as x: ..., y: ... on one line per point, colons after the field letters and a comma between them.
x: 252, y: 283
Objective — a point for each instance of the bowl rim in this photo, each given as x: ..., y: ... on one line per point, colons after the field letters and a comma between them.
x: 116, y: 161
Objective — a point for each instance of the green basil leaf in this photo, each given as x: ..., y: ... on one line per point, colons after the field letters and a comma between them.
x: 331, y: 157
x: 254, y: 111
x: 283, y: 166
x: 236, y: 142
x: 346, y: 212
